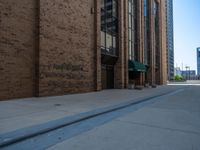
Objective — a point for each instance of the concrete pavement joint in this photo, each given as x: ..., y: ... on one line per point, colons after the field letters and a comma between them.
x: 25, y: 114
x: 30, y: 132
x: 159, y: 127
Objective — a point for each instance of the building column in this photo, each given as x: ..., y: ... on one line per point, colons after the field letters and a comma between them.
x: 163, y: 46
x: 159, y: 34
x: 141, y: 42
x: 151, y: 73
x: 37, y: 52
x: 140, y: 38
x: 97, y: 46
x: 160, y: 67
x: 120, y: 67
x: 126, y: 72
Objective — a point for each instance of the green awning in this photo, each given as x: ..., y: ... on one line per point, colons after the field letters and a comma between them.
x: 136, y: 66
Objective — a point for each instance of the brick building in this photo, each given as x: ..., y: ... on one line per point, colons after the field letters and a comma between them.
x: 57, y: 47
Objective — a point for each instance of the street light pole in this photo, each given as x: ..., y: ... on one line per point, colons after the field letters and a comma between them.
x: 189, y: 72
x: 186, y: 68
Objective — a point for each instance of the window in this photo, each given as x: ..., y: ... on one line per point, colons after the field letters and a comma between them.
x: 131, y: 29
x: 155, y: 8
x: 156, y: 30
x: 109, y: 27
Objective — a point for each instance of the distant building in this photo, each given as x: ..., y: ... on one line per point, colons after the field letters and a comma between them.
x: 188, y: 74
x: 198, y: 61
x: 170, y: 38
x: 177, y: 71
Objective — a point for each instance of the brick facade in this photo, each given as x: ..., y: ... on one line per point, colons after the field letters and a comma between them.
x: 121, y: 80
x: 67, y: 47
x: 50, y: 47
x: 17, y: 48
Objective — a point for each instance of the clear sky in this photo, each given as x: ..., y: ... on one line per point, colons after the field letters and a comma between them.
x: 186, y: 32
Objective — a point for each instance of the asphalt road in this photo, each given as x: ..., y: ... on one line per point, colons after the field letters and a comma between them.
x: 168, y: 122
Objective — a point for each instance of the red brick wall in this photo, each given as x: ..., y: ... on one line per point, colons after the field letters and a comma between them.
x: 53, y: 47
x: 67, y: 47
x: 17, y: 45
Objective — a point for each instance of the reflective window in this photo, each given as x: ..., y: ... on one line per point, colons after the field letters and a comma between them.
x: 131, y: 29
x: 109, y: 27
x: 156, y: 35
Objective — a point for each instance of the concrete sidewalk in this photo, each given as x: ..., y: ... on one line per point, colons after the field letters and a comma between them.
x: 22, y: 113
x: 169, y: 122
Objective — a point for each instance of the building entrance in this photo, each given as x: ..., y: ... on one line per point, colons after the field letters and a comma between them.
x: 107, y: 77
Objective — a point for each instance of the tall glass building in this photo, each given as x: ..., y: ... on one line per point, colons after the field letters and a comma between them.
x: 198, y: 61
x: 170, y: 38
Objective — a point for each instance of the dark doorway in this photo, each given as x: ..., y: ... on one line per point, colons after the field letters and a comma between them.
x: 107, y: 77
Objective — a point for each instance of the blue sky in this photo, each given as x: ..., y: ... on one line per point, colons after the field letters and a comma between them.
x: 186, y: 32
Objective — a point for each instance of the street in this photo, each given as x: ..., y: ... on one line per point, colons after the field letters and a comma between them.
x: 170, y: 121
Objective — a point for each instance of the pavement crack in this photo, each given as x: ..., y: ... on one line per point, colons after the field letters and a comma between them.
x: 160, y: 127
